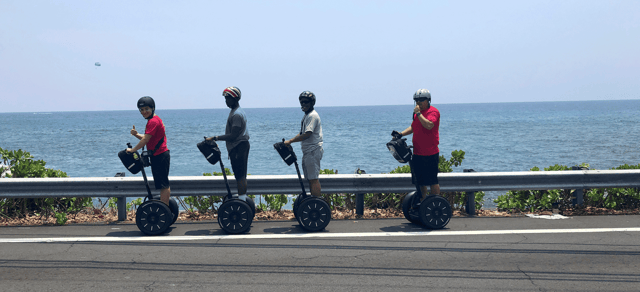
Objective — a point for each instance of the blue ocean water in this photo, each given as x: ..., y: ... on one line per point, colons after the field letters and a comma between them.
x: 495, y: 136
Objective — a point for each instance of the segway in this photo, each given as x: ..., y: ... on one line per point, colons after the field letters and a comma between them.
x: 234, y: 215
x: 313, y: 213
x: 153, y: 217
x: 434, y: 211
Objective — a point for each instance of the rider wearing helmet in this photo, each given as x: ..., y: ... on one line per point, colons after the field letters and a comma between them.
x: 426, y: 137
x: 236, y: 136
x: 310, y: 137
x: 156, y: 141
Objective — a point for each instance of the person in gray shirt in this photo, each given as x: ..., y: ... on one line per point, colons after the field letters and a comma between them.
x: 236, y: 136
x: 310, y: 137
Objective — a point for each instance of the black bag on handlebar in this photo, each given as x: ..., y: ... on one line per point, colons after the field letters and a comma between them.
x: 286, y: 152
x: 400, y: 150
x: 210, y: 150
x: 131, y: 161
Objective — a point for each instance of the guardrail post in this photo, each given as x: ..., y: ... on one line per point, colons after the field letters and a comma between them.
x: 360, y: 204
x: 578, y: 194
x: 122, y: 208
x: 471, y: 199
x: 360, y: 197
x: 578, y: 197
x: 471, y: 203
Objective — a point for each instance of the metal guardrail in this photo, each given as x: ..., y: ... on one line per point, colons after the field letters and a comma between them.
x: 335, y: 183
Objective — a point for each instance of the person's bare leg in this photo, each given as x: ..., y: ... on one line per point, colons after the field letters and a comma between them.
x: 242, y: 186
x: 316, y: 190
x: 435, y: 189
x: 425, y: 191
x: 165, y: 194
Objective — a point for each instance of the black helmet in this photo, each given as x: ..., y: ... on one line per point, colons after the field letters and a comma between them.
x: 422, y: 94
x: 147, y: 101
x: 233, y: 92
x: 309, y: 95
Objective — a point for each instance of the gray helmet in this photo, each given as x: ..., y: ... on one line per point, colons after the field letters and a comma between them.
x: 147, y: 101
x: 309, y: 95
x: 422, y: 94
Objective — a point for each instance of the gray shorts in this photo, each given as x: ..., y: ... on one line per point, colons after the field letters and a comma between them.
x: 311, y: 163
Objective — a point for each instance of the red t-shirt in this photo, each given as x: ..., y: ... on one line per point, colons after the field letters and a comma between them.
x: 155, y: 128
x: 425, y: 142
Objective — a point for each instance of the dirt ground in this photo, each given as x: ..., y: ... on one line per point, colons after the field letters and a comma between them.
x: 97, y: 216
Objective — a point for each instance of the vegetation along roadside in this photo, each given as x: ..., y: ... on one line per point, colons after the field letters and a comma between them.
x: 60, y: 211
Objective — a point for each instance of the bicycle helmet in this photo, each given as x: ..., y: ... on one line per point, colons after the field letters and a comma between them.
x: 147, y: 101
x: 309, y: 95
x: 233, y: 92
x: 422, y: 94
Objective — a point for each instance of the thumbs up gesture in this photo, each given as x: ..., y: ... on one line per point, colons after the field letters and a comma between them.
x: 133, y: 131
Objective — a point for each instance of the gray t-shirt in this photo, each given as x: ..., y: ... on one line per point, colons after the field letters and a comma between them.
x: 311, y: 123
x: 237, y: 118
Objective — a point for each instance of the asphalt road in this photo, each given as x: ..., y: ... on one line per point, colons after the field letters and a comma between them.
x: 591, y: 253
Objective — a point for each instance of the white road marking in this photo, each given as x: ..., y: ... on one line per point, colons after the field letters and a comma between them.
x: 549, y: 217
x: 313, y: 235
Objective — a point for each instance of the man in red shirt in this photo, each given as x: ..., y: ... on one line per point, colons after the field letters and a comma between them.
x: 156, y: 141
x: 426, y: 155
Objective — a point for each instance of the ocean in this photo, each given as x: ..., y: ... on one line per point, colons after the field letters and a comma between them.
x: 495, y: 136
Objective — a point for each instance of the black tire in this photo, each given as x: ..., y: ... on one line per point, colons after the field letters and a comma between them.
x: 173, y: 206
x: 435, y: 212
x: 296, y: 204
x: 314, y: 214
x: 235, y: 216
x: 409, y: 214
x: 153, y: 217
x: 252, y: 205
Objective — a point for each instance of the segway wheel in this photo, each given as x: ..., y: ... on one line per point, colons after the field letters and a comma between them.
x: 314, y: 214
x: 252, y: 205
x: 435, y: 212
x: 296, y: 205
x: 173, y: 206
x: 412, y: 215
x: 153, y: 217
x: 235, y: 216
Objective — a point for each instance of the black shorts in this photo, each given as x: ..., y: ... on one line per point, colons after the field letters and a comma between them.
x: 239, y: 157
x: 425, y: 169
x: 160, y: 170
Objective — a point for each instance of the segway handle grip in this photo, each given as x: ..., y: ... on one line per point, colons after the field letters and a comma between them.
x: 396, y: 135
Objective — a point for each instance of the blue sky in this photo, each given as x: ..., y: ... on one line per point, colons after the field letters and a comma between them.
x: 184, y: 53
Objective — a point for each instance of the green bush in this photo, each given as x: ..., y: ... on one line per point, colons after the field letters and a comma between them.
x: 610, y: 198
x: 274, y: 202
x: 22, y: 165
x: 205, y: 203
x: 614, y: 198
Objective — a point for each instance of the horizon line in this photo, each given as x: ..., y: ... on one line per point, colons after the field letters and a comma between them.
x: 328, y: 106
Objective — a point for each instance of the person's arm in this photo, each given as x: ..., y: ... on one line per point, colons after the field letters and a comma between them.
x: 298, y: 138
x: 235, y: 132
x: 145, y: 139
x: 423, y: 120
x: 135, y: 133
x: 407, y: 131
